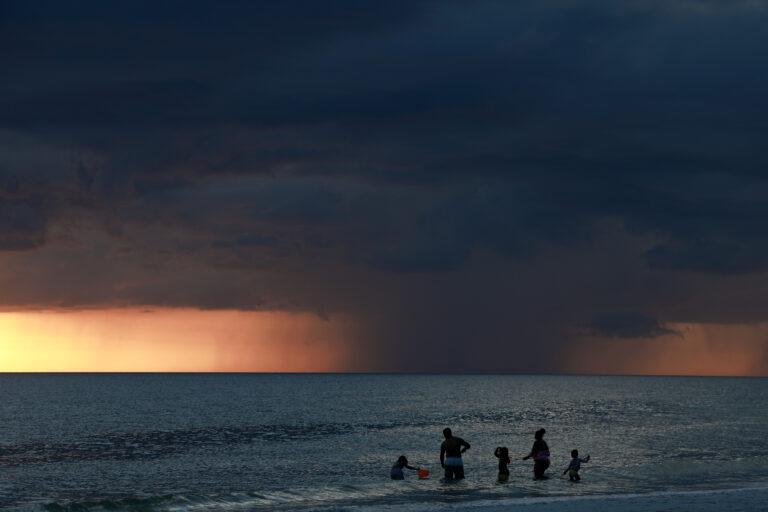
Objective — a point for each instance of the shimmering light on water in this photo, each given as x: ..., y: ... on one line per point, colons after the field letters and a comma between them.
x: 172, y: 442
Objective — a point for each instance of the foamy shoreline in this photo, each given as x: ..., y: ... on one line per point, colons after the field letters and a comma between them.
x: 723, y: 500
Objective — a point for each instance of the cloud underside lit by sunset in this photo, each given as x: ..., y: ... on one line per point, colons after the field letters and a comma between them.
x: 533, y: 186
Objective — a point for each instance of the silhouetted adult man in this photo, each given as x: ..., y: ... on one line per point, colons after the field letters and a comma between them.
x: 450, y: 455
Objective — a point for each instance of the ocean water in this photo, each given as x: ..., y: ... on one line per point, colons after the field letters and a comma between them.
x: 292, y: 442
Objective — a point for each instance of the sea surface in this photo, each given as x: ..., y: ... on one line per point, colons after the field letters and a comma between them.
x: 297, y: 442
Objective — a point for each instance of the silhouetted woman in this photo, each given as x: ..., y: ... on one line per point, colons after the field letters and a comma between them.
x: 540, y: 454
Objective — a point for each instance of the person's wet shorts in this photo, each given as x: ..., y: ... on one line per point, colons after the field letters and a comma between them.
x: 454, y: 472
x: 454, y: 468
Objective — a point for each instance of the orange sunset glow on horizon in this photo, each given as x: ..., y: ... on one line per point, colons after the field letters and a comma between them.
x: 693, y: 349
x: 190, y: 340
x: 171, y: 340
x: 302, y: 255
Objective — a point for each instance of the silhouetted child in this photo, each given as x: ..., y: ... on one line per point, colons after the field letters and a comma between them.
x: 502, y: 454
x: 575, y: 465
x: 397, y: 469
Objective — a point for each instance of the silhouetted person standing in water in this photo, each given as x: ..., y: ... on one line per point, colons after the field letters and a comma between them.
x: 540, y: 454
x: 502, y: 453
x: 450, y: 455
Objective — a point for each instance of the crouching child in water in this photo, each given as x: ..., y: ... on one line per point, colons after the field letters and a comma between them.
x: 575, y: 465
x: 502, y: 453
x: 397, y: 469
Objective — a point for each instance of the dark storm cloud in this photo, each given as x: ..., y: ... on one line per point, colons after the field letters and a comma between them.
x: 22, y: 226
x: 626, y: 324
x: 498, y: 171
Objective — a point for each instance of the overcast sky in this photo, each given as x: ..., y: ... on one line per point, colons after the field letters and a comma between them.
x: 480, y: 185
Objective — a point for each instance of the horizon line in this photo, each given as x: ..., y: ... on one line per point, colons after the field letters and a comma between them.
x: 388, y: 373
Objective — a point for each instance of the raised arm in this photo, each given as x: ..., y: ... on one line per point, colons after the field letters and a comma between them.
x: 585, y: 459
x: 530, y: 454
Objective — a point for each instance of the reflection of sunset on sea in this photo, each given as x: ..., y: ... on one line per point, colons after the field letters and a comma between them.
x: 255, y: 253
x: 170, y: 340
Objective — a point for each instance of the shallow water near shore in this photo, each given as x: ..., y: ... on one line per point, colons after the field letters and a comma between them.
x: 266, y: 442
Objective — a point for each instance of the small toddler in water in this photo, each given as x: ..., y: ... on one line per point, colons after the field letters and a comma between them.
x: 575, y: 465
x: 502, y: 453
x: 397, y: 469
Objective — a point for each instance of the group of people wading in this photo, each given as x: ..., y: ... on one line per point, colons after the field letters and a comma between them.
x: 453, y: 447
